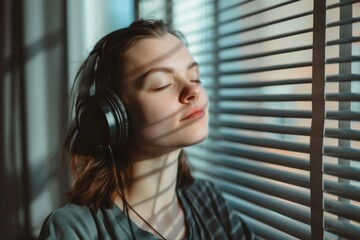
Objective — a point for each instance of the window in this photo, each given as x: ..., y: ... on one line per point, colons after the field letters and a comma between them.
x: 283, y: 83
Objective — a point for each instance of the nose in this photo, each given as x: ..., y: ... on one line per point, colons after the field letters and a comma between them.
x: 190, y: 92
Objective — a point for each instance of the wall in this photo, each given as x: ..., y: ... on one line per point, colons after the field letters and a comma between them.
x: 42, y: 44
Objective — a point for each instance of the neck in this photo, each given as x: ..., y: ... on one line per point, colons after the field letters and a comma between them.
x: 153, y: 180
x: 152, y: 192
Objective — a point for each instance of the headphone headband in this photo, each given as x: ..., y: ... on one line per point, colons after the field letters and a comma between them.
x: 101, y: 116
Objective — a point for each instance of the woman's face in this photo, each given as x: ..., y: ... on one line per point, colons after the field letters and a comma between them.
x: 166, y: 104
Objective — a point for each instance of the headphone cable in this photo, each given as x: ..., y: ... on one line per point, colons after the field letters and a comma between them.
x: 127, y: 205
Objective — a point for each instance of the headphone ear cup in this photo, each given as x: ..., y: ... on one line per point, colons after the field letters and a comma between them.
x: 102, y: 119
x: 120, y: 115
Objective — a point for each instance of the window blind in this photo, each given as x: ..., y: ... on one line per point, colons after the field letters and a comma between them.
x: 283, y: 84
x: 341, y: 138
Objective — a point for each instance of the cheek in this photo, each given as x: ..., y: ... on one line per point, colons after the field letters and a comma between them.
x: 151, y: 115
x: 204, y: 95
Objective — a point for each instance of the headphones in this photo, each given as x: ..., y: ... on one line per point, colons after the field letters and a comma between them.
x: 101, y: 116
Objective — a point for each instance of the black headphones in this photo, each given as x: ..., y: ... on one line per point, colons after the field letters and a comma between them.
x: 101, y: 117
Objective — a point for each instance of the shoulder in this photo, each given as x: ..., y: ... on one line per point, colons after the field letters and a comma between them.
x: 207, y: 197
x: 70, y: 221
x: 203, y: 188
x: 70, y: 213
x: 210, y: 203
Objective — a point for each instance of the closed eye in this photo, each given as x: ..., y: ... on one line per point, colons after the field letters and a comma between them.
x: 161, y: 88
x: 196, y: 81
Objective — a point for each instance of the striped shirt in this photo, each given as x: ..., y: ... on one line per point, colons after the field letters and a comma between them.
x: 207, y: 215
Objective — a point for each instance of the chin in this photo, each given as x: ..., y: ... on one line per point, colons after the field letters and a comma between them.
x: 199, y: 141
x: 195, y: 137
x: 196, y: 133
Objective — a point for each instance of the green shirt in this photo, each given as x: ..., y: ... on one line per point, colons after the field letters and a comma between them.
x: 207, y: 216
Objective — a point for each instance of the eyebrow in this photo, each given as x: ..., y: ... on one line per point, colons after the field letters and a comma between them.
x: 166, y: 69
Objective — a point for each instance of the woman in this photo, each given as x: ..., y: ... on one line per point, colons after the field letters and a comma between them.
x: 139, y: 103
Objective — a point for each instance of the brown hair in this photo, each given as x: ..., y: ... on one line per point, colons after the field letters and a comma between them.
x: 97, y: 178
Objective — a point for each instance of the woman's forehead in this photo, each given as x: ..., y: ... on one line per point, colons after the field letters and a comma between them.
x: 165, y: 51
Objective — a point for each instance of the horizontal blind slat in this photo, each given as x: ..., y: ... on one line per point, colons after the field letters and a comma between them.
x: 265, y: 231
x: 343, y: 77
x: 343, y: 22
x: 342, y: 209
x: 343, y: 133
x: 264, y: 39
x: 342, y: 152
x: 262, y: 142
x: 253, y: 84
x: 343, y: 115
x: 342, y: 3
x: 262, y: 97
x: 268, y: 157
x: 297, y: 212
x: 343, y: 229
x: 256, y: 183
x: 351, y: 192
x: 256, y: 12
x: 211, y: 39
x: 349, y: 96
x: 265, y: 54
x: 343, y: 40
x: 343, y: 171
x: 280, y: 222
x: 214, y: 160
x: 246, y: 29
x: 343, y: 59
x: 264, y: 127
x: 263, y: 112
x: 265, y: 68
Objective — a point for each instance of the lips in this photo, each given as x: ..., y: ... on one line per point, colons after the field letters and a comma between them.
x: 193, y: 113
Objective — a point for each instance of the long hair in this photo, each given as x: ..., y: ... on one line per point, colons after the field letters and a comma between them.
x: 97, y: 179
